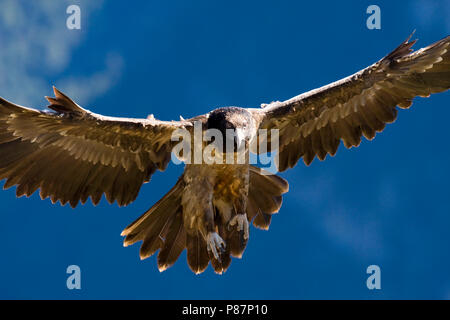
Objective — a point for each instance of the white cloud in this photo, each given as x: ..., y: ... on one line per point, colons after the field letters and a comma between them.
x: 431, y: 12
x: 36, y: 47
x: 86, y: 88
x: 361, y: 236
x: 358, y: 232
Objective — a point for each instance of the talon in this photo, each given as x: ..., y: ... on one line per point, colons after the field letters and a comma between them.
x: 242, y: 224
x: 215, y: 244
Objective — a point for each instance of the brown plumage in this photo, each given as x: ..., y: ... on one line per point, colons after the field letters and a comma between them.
x: 314, y: 123
x: 72, y: 154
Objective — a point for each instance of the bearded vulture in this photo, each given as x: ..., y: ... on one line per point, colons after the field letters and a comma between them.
x: 72, y: 154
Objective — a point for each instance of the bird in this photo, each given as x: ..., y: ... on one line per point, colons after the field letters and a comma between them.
x: 71, y: 154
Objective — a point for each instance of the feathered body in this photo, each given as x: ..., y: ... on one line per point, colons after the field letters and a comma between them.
x: 205, y: 200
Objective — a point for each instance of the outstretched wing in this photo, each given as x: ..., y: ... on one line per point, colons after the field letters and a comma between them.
x: 314, y: 123
x: 72, y: 154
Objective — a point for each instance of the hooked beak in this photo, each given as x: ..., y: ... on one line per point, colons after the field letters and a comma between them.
x: 239, y: 139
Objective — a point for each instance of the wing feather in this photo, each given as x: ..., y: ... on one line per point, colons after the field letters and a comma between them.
x: 314, y: 123
x: 72, y: 154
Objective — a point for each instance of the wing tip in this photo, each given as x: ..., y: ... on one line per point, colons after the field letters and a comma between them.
x: 403, y: 49
x: 61, y: 103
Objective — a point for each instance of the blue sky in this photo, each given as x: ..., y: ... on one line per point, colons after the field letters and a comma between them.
x: 384, y: 203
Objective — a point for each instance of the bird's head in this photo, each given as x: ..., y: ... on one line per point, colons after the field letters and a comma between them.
x: 236, y: 126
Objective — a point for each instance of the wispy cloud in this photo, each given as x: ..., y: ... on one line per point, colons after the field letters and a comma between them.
x: 431, y: 12
x: 37, y: 48
x: 85, y: 88
x: 358, y: 232
x: 362, y: 237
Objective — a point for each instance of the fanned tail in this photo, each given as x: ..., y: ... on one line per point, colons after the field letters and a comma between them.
x: 264, y: 199
x: 161, y: 227
x: 197, y: 253
x: 264, y: 196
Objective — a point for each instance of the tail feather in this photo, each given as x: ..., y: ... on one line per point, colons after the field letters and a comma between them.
x: 264, y: 199
x: 171, y: 202
x: 174, y: 244
x: 161, y: 227
x: 221, y: 265
x: 267, y: 182
x: 236, y: 243
x: 265, y: 196
x: 262, y: 221
x: 252, y: 209
x: 155, y: 227
x: 155, y: 237
x: 197, y: 253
